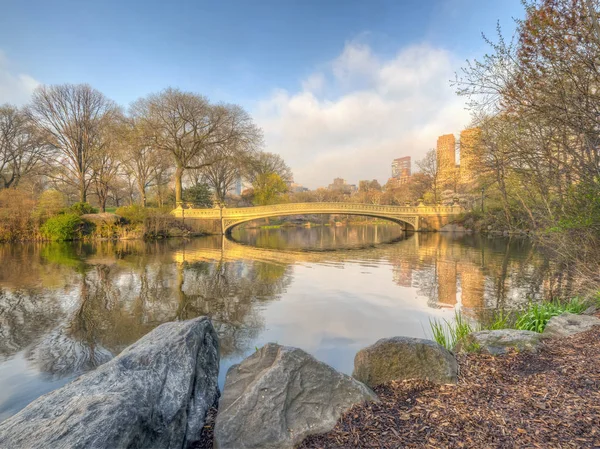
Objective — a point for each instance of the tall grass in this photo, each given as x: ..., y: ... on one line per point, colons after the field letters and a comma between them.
x: 534, y: 317
x: 449, y: 333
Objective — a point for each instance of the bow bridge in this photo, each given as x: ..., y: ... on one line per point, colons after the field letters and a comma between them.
x: 220, y: 220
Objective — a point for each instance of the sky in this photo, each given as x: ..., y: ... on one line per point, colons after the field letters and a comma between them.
x: 339, y: 87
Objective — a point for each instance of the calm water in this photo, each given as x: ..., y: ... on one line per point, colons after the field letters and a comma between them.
x: 67, y: 308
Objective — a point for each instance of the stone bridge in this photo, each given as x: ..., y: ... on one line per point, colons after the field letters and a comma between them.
x: 221, y: 220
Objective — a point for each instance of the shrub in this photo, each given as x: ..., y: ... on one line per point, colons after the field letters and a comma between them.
x: 16, y: 216
x: 51, y: 202
x: 63, y: 227
x: 134, y: 214
x: 82, y: 209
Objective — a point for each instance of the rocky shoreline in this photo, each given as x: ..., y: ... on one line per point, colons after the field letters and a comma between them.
x: 405, y: 392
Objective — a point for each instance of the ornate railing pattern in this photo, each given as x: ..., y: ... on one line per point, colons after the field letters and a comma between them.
x: 232, y: 216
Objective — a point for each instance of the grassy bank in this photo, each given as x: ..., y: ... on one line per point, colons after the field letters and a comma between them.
x: 48, y: 219
x: 533, y: 317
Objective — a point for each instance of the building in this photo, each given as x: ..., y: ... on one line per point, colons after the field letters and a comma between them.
x: 297, y: 188
x: 401, y: 167
x: 446, y: 161
x: 470, y: 156
x: 236, y: 188
x: 340, y: 185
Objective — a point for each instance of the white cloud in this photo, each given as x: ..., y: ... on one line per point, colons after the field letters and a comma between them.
x: 15, y: 88
x: 352, y: 118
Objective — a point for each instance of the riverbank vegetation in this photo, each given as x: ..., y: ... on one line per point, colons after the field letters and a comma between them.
x: 533, y: 317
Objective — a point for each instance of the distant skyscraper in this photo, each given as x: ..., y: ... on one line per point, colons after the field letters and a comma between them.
x: 401, y: 167
x: 446, y: 160
x: 470, y: 155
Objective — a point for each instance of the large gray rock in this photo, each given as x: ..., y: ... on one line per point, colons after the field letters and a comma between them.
x: 155, y: 394
x: 498, y: 342
x: 278, y: 396
x: 405, y: 358
x: 569, y: 324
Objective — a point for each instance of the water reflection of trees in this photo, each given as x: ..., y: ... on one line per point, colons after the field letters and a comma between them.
x: 115, y: 294
x: 230, y: 292
x: 75, y: 306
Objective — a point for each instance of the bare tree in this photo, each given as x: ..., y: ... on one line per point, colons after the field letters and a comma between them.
x: 21, y: 151
x: 72, y: 119
x: 140, y: 158
x: 106, y: 166
x: 429, y: 166
x: 190, y: 129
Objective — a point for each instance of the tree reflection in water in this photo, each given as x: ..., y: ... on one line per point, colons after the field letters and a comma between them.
x: 71, y: 307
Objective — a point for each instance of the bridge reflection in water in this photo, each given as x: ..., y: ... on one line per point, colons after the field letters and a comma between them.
x: 414, y: 218
x: 67, y: 308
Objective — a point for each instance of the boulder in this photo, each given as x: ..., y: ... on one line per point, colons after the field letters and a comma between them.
x: 405, y: 358
x: 569, y: 324
x: 278, y: 396
x: 498, y: 342
x: 103, y: 218
x: 155, y: 394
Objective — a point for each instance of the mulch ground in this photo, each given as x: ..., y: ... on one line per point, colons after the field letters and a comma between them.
x: 546, y: 400
x: 550, y: 399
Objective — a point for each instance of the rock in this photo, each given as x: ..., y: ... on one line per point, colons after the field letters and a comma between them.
x: 569, y: 324
x: 591, y: 310
x: 405, y: 358
x: 155, y: 394
x: 280, y: 395
x: 498, y: 342
x: 103, y: 218
x: 453, y: 227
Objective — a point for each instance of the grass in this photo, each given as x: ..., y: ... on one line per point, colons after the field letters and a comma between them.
x: 534, y: 318
x: 536, y: 315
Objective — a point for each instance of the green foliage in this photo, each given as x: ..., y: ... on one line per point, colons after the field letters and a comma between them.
x: 82, y: 209
x: 134, y: 214
x: 536, y: 315
x: 268, y: 189
x: 63, y: 227
x: 51, y: 202
x: 449, y: 333
x: 199, y: 195
x: 581, y: 209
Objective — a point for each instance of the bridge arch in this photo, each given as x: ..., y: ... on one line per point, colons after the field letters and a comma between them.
x: 230, y: 224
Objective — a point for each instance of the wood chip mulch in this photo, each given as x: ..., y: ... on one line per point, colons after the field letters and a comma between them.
x: 550, y: 399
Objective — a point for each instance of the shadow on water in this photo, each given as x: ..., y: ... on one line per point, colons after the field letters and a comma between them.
x: 67, y: 308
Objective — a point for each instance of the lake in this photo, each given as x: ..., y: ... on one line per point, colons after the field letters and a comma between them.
x: 66, y: 308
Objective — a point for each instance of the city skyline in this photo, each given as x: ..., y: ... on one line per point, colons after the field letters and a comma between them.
x: 360, y: 86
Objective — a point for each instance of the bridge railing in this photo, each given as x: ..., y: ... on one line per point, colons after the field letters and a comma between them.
x: 216, y: 212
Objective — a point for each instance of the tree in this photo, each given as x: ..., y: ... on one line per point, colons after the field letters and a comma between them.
x: 21, y: 151
x: 429, y: 167
x: 72, y: 119
x: 140, y: 158
x: 199, y: 195
x: 268, y: 188
x: 265, y: 163
x: 193, y: 131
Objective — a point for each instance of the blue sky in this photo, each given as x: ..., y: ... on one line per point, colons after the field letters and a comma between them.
x: 307, y: 65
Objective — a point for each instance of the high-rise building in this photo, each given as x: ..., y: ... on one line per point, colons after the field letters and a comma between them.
x: 401, y: 167
x: 446, y: 160
x: 470, y: 155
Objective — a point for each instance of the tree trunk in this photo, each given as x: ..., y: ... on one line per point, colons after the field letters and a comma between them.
x: 82, y: 194
x: 142, y: 190
x: 178, y: 185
